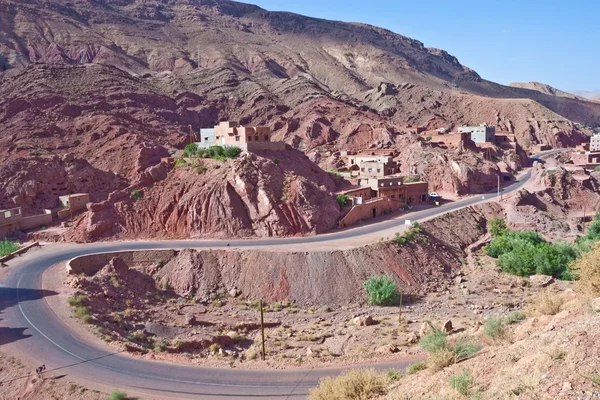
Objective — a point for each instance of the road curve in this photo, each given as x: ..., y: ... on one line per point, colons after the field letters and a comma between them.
x: 31, y: 326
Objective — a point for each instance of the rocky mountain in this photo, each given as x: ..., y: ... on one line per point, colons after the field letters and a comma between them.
x: 121, y: 83
x: 546, y: 89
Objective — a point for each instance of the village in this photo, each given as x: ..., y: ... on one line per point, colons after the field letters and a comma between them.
x: 374, y: 186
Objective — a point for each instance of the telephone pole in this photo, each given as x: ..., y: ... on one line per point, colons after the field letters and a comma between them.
x: 262, y: 329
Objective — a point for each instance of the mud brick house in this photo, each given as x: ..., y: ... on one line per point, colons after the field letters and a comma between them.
x: 247, y: 138
x: 378, y: 196
x: 373, y: 164
x: 589, y: 158
x: 595, y: 142
x: 13, y: 220
x: 453, y: 139
x: 480, y: 134
x: 72, y: 203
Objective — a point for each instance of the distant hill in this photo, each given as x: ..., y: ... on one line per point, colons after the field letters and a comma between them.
x: 547, y: 89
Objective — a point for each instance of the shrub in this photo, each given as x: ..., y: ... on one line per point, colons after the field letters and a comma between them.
x: 587, y: 270
x: 434, y: 341
x: 276, y: 161
x: 462, y: 383
x: 597, y: 169
x: 464, y: 349
x: 190, y: 150
x: 441, y: 359
x: 7, y: 247
x: 342, y: 199
x: 514, y: 317
x: 117, y: 395
x: 77, y: 300
x: 413, y: 369
x: 554, y: 259
x: 547, y: 303
x: 497, y: 227
x: 251, y: 354
x: 382, y: 290
x: 83, y: 313
x: 180, y: 163
x: 232, y: 152
x: 137, y: 194
x: 393, y: 375
x: 494, y: 328
x: 360, y: 384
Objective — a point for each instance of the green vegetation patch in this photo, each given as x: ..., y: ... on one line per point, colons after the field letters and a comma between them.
x: 215, y: 152
x: 382, y: 291
x: 7, y: 247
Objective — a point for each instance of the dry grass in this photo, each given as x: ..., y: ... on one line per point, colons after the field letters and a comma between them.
x: 440, y: 359
x: 361, y: 384
x: 547, y: 303
x: 587, y: 269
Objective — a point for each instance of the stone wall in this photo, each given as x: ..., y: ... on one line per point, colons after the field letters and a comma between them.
x: 35, y: 221
x: 89, y: 264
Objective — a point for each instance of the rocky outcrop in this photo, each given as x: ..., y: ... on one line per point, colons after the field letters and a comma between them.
x: 271, y: 194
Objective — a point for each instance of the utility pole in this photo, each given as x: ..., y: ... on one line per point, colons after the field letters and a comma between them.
x: 262, y: 329
x: 400, y: 311
x: 191, y: 135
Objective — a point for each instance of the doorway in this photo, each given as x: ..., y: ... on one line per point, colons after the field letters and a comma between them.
x: 374, y: 212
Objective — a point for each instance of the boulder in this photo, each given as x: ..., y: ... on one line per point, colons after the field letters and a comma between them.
x: 309, y: 352
x: 190, y: 319
x: 426, y: 327
x: 363, y: 320
x: 448, y: 326
x: 541, y: 280
x: 234, y: 292
x: 388, y: 348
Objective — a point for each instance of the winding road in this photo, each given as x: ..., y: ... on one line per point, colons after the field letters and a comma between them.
x: 30, y: 326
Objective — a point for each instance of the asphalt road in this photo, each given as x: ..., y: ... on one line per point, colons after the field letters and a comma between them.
x: 28, y: 323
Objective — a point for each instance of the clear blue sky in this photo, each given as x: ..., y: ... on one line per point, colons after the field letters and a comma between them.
x: 554, y: 42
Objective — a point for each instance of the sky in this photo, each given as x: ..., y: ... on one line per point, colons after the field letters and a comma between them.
x: 554, y: 42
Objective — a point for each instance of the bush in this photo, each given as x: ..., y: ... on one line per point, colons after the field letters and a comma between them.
x: 462, y: 383
x: 276, y: 161
x: 180, y: 163
x: 442, y: 354
x: 382, y: 291
x: 83, y: 313
x: 360, y: 384
x: 117, y: 395
x: 232, y: 152
x: 137, y: 194
x: 414, y: 368
x: 519, y: 261
x: 515, y: 317
x: 393, y: 375
x: 77, y: 300
x: 547, y: 303
x: 587, y: 270
x: 7, y: 247
x: 494, y: 328
x: 434, y: 341
x: 342, y: 199
x: 555, y: 259
x: 190, y: 150
x: 497, y: 227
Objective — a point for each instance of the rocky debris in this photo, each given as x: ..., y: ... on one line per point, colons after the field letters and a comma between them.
x: 541, y: 280
x: 190, y: 320
x: 310, y: 353
x: 390, y: 348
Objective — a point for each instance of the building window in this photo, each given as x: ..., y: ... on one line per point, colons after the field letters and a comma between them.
x: 237, y: 138
x: 6, y: 214
x: 370, y: 169
x: 362, y: 170
x: 249, y: 138
x: 266, y: 138
x: 392, y: 196
x: 391, y: 183
x: 352, y: 162
x: 206, y: 139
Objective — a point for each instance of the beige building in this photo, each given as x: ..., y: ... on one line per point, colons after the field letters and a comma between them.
x: 595, y: 142
x: 247, y: 138
x: 372, y: 166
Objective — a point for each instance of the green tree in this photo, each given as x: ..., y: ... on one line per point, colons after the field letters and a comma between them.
x: 519, y: 261
x: 342, y: 199
x: 554, y: 259
x: 497, y: 227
